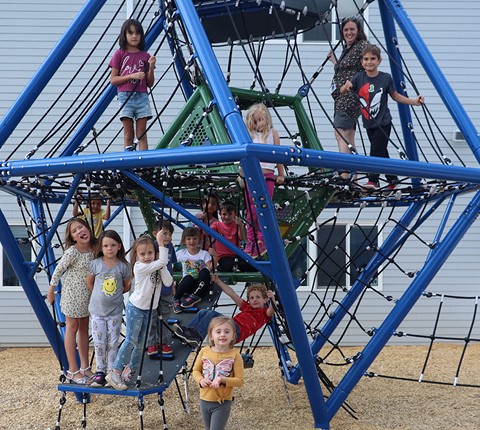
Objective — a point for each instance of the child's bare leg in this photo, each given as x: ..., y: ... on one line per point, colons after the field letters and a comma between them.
x: 141, y: 129
x: 344, y: 138
x: 70, y: 341
x: 83, y: 345
x: 128, y: 133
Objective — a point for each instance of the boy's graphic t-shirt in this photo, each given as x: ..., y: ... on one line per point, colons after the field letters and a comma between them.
x: 373, y: 93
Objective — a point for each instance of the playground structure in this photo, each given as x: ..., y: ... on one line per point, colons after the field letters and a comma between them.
x: 210, y: 130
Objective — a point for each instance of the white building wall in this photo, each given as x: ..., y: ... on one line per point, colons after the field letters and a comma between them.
x: 34, y: 29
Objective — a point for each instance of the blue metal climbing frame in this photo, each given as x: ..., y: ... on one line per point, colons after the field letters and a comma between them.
x: 248, y: 154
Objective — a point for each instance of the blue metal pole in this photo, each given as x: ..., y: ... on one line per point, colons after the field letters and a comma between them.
x: 404, y: 305
x: 56, y: 223
x: 398, y: 78
x: 232, y: 153
x: 443, y: 223
x: 28, y: 96
x: 436, y: 76
x: 34, y: 296
x: 215, y: 79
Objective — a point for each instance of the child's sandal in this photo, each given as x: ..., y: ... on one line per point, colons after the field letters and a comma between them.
x: 85, y: 374
x: 71, y: 378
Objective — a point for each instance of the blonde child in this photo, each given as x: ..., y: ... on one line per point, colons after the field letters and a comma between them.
x: 196, y: 267
x: 108, y: 279
x: 259, y: 124
x: 93, y: 213
x: 218, y: 369
x: 132, y: 72
x: 150, y: 274
x: 75, y: 296
x: 253, y: 315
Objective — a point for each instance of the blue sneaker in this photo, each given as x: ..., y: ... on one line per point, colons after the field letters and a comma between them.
x: 190, y: 300
x: 176, y: 306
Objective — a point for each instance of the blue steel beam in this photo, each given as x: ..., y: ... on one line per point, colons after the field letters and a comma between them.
x: 255, y: 180
x: 438, y: 79
x: 232, y: 153
x: 403, y: 306
x: 30, y: 287
x: 41, y: 78
x: 398, y: 78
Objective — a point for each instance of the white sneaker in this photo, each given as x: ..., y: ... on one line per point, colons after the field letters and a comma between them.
x: 115, y: 380
x: 127, y: 373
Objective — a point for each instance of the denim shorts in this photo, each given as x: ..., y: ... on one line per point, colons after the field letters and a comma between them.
x: 343, y: 121
x: 137, y: 106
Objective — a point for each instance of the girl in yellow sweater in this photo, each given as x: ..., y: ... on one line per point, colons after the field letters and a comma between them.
x: 217, y: 369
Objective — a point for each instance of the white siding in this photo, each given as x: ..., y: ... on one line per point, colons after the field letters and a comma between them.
x: 446, y: 28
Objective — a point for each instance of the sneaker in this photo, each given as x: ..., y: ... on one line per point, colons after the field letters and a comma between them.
x: 370, y: 185
x: 190, y: 300
x: 176, y: 306
x: 116, y: 381
x: 152, y: 350
x: 127, y: 374
x: 165, y: 349
x: 98, y: 380
x: 188, y: 335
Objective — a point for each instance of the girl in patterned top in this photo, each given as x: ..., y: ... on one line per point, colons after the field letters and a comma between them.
x: 75, y: 296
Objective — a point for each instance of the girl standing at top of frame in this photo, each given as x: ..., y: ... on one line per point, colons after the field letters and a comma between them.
x: 259, y: 125
x: 132, y: 72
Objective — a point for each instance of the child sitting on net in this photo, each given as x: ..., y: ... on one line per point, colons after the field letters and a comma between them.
x: 253, y: 315
x: 231, y: 228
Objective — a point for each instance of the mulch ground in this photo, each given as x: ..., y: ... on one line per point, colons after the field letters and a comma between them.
x: 29, y: 398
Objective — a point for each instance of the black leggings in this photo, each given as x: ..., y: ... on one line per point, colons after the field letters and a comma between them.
x: 189, y: 285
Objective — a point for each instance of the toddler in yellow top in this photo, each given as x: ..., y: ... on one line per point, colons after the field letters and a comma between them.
x: 218, y: 369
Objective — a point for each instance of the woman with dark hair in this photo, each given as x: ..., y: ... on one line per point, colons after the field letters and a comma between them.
x: 346, y: 106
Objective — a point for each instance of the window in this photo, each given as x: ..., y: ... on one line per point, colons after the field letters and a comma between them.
x: 330, y: 29
x: 9, y: 277
x: 339, y: 256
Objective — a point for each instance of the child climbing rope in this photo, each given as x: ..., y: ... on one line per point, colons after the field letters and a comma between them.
x: 150, y: 274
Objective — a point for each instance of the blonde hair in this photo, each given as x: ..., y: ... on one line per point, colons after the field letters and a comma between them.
x: 250, y: 122
x: 215, y: 322
x: 142, y: 240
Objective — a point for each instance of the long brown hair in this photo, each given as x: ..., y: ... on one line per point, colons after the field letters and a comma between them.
x: 111, y: 234
x: 68, y: 234
x: 122, y: 40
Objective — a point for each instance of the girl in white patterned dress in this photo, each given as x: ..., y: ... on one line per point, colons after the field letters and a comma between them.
x: 75, y: 296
